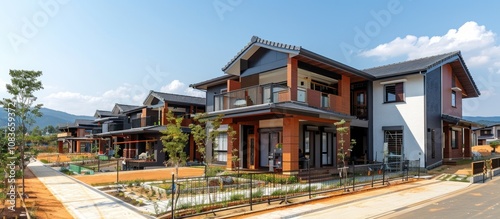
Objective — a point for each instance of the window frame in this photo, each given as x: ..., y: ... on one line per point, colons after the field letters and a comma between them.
x: 217, y: 151
x: 398, y: 96
x: 453, y: 99
x: 454, y: 139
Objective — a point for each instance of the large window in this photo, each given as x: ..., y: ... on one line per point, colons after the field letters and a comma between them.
x: 394, y: 140
x: 394, y: 93
x: 453, y: 99
x: 454, y: 139
x: 220, y: 153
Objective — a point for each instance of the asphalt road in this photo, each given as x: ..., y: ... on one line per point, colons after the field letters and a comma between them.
x: 476, y: 202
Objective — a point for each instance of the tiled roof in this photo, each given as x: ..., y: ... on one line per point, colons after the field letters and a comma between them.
x: 296, y: 50
x: 255, y: 40
x: 125, y: 107
x: 411, y: 66
x: 423, y: 65
x: 103, y: 113
x: 177, y: 98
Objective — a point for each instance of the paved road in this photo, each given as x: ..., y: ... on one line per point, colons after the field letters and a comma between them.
x: 82, y: 201
x: 482, y: 201
x: 372, y: 204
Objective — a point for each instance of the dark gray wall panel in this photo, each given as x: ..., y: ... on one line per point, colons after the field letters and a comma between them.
x: 433, y: 153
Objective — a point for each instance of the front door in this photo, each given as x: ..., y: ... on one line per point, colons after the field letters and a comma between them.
x: 251, y: 150
x: 359, y: 104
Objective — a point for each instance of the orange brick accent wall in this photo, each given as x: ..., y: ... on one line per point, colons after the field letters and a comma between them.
x: 233, y: 85
x: 232, y: 145
x: 292, y: 77
x: 342, y: 102
x: 290, y: 144
x: 313, y: 98
x: 447, y: 81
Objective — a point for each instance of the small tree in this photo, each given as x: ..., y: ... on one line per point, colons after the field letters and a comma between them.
x: 494, y: 145
x: 174, y: 141
x: 341, y: 131
x: 22, y: 88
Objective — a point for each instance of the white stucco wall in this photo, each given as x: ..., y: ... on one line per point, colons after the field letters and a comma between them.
x: 409, y: 114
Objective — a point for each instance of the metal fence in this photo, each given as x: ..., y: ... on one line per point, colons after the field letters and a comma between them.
x: 199, y: 195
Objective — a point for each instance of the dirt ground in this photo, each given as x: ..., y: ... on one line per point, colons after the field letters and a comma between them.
x: 47, y: 205
x: 148, y: 175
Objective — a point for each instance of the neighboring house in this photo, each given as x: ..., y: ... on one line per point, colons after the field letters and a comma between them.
x: 418, y: 108
x: 275, y: 95
x: 76, y: 137
x: 487, y: 134
x: 135, y: 130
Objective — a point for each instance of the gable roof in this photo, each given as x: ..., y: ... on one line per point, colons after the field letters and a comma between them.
x: 213, y: 82
x: 102, y: 113
x: 426, y: 64
x: 297, y: 51
x: 175, y: 98
x: 120, y: 108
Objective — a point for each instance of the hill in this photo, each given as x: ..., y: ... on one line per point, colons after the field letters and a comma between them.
x: 485, y: 120
x: 49, y: 117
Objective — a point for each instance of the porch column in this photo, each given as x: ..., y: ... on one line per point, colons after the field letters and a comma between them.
x: 447, y: 142
x: 290, y: 145
x: 60, y: 147
x: 78, y: 146
x: 233, y: 145
x: 292, y: 77
x: 467, y: 143
x: 101, y: 146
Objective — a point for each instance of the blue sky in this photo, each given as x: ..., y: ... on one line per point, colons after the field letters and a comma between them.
x: 94, y: 54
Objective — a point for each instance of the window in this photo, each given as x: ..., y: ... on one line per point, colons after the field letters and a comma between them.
x: 394, y: 93
x: 454, y: 139
x: 220, y: 153
x: 325, y: 100
x: 301, y: 95
x: 453, y: 98
x: 394, y: 140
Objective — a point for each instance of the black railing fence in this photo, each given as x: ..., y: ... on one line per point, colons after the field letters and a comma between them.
x: 197, y: 195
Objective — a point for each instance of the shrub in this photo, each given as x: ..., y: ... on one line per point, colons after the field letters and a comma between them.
x: 237, y: 197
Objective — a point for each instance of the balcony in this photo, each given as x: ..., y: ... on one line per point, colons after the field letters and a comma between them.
x: 143, y: 122
x: 115, y: 127
x: 64, y: 134
x: 255, y: 95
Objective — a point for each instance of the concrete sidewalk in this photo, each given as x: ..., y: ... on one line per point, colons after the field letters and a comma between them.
x: 81, y: 200
x: 372, y: 204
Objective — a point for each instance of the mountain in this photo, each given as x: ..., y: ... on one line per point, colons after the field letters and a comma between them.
x: 49, y: 117
x: 485, y: 120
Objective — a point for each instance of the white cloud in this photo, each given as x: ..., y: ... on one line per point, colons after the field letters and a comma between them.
x: 470, y: 38
x: 86, y: 104
x: 177, y: 87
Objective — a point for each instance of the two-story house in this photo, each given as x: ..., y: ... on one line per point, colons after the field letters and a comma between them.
x: 417, y: 109
x: 75, y: 137
x: 487, y: 134
x: 282, y: 96
x: 133, y: 130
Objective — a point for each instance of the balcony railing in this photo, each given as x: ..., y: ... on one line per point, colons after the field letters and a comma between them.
x: 269, y: 93
x: 115, y: 127
x: 142, y: 122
